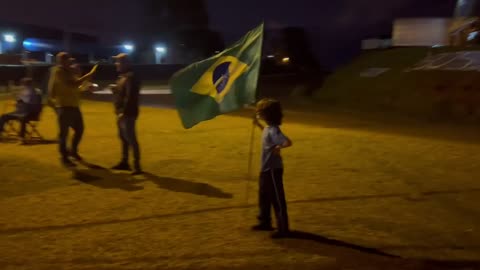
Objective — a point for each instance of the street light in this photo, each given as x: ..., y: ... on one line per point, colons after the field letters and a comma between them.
x: 27, y: 43
x: 160, y: 51
x: 9, y: 38
x: 128, y: 47
x: 7, y: 42
x: 286, y: 60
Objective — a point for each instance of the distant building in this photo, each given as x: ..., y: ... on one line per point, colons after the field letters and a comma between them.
x: 39, y: 44
x: 460, y: 30
x: 465, y: 8
x: 421, y: 32
x: 164, y: 32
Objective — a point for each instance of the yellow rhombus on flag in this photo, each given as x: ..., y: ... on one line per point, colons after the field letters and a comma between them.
x: 229, y: 69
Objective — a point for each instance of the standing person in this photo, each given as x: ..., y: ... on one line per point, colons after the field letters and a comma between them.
x: 127, y: 92
x: 64, y: 94
x: 271, y: 191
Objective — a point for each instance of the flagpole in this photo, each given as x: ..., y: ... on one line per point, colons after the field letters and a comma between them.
x: 252, y: 134
x: 250, y: 153
x: 250, y: 163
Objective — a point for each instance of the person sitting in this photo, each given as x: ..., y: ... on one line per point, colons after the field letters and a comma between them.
x: 28, y: 105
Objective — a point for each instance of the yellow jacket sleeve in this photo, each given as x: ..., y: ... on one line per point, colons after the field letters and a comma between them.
x: 87, y: 76
x: 52, y: 92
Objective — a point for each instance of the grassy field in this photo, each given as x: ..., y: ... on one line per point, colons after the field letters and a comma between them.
x: 415, y: 93
x: 357, y: 190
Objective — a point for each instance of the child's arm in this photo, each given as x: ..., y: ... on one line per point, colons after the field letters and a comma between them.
x: 287, y: 143
x: 281, y: 141
x: 257, y: 123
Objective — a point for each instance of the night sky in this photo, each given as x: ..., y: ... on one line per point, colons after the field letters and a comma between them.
x: 335, y: 27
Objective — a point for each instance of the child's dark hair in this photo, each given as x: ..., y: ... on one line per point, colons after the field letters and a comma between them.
x: 271, y: 111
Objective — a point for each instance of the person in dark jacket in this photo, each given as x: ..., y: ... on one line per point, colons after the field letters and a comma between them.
x: 28, y: 105
x: 127, y: 92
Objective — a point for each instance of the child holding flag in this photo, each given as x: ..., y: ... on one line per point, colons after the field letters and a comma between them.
x: 271, y: 191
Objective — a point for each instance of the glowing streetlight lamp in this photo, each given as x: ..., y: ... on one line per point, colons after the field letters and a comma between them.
x: 9, y: 38
x: 7, y: 42
x: 128, y: 47
x: 160, y: 52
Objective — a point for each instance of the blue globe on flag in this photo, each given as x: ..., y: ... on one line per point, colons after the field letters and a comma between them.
x: 221, y: 76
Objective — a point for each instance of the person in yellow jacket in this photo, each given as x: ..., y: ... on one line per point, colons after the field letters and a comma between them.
x: 64, y: 94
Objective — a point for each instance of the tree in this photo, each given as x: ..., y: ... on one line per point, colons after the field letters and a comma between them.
x: 298, y: 48
x: 183, y: 25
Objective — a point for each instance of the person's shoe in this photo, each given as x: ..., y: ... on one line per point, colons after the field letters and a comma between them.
x: 280, y: 235
x: 136, y: 172
x: 68, y: 163
x: 262, y: 227
x: 122, y: 166
x: 76, y: 156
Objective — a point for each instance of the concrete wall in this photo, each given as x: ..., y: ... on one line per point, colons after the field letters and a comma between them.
x: 6, y: 59
x: 274, y: 81
x: 104, y: 73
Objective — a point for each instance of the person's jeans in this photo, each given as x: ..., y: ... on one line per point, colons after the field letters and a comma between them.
x: 128, y: 137
x: 69, y: 117
x: 271, y: 192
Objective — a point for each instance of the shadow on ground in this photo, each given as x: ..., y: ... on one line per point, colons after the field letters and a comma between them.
x: 299, y: 235
x: 103, y: 178
x: 15, y: 140
x: 359, y: 257
x: 40, y: 142
x: 185, y: 186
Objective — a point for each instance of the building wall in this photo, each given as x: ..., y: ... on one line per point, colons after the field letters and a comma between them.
x: 466, y: 8
x: 421, y: 32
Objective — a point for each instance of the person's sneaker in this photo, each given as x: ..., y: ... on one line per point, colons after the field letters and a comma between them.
x: 122, y: 166
x: 262, y: 227
x: 76, y: 156
x: 280, y: 235
x: 68, y: 163
x: 136, y: 172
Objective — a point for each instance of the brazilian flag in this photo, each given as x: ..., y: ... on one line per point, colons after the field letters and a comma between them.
x: 220, y: 84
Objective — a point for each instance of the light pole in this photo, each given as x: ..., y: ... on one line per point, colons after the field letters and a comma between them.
x: 9, y: 38
x: 128, y: 47
x: 7, y: 42
x: 160, y: 52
